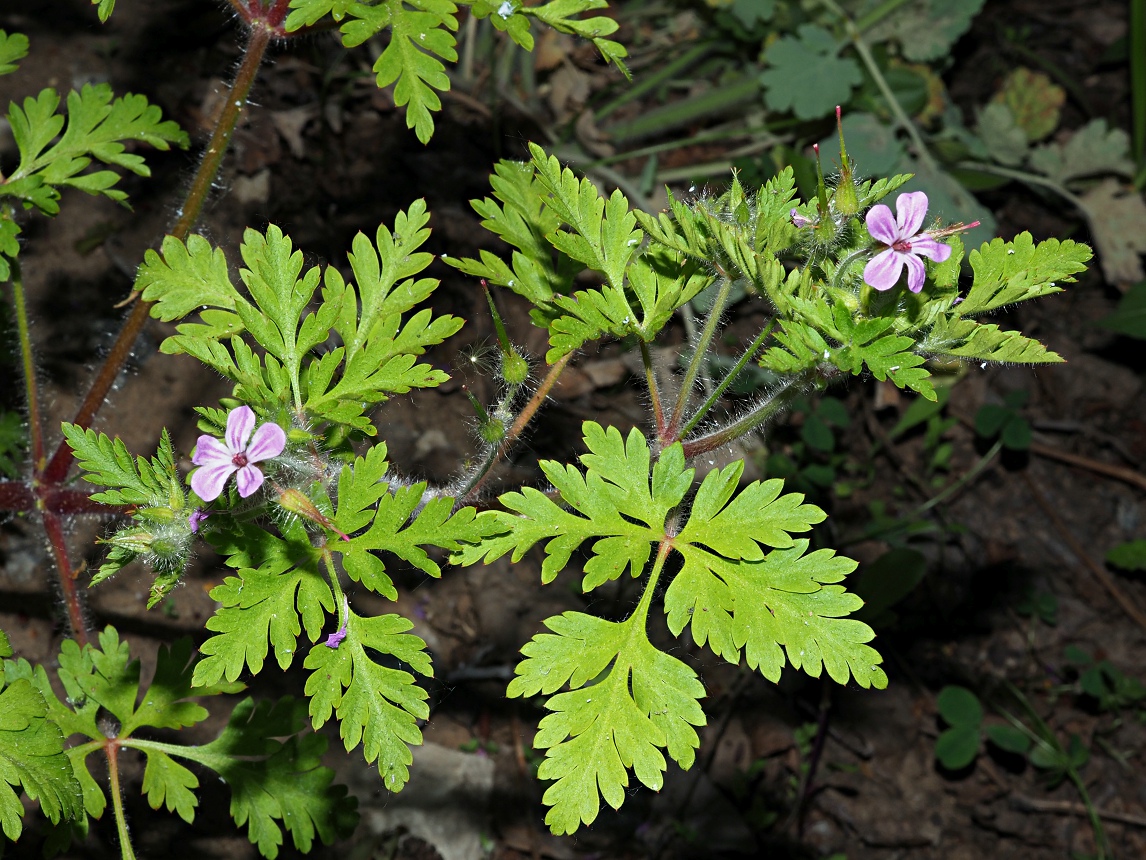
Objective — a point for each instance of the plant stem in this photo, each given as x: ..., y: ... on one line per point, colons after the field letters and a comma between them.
x: 748, y: 355
x: 1029, y: 178
x: 19, y: 496
x: 654, y: 390
x: 954, y: 487
x: 519, y: 424
x: 897, y: 111
x: 878, y: 14
x: 699, y: 356
x: 57, y: 468
x: 1138, y: 80
x: 761, y: 412
x: 112, y: 752
x: 27, y: 361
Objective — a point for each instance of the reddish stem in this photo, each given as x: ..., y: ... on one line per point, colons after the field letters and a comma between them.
x: 61, y: 461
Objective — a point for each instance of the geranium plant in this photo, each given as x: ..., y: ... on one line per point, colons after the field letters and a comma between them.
x: 293, y: 487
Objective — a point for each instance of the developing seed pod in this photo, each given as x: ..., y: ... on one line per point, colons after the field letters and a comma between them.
x: 845, y: 201
x: 297, y: 502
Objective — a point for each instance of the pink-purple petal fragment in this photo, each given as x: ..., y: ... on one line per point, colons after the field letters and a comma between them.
x: 248, y: 479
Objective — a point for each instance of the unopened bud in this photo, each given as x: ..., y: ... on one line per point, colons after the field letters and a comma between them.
x: 514, y: 367
x: 134, y: 540
x: 296, y: 502
x: 491, y: 431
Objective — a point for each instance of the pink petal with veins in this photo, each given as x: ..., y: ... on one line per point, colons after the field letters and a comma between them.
x: 916, y: 272
x: 881, y: 225
x: 248, y: 479
x: 882, y: 271
x: 208, y: 481
x: 267, y: 442
x: 210, y: 451
x: 911, y: 209
x: 240, y: 423
x: 928, y: 247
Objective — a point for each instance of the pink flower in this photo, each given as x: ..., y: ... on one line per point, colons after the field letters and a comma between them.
x: 236, y: 455
x: 904, y: 243
x: 196, y: 519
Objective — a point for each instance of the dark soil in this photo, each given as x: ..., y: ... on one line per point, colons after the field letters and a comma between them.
x: 324, y: 154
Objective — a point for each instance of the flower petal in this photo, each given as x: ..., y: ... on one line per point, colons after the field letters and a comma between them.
x: 911, y: 209
x: 240, y: 423
x: 248, y: 479
x: 268, y: 441
x: 881, y: 225
x: 925, y: 246
x: 208, y: 481
x: 916, y: 272
x: 882, y: 271
x: 209, y: 451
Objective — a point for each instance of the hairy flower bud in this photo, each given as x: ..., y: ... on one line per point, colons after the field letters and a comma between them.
x: 297, y: 502
x: 514, y: 367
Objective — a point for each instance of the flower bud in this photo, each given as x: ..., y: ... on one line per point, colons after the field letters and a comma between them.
x: 492, y: 431
x: 296, y: 502
x: 514, y: 367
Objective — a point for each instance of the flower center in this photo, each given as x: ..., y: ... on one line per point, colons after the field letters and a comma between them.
x: 901, y: 245
x: 239, y: 460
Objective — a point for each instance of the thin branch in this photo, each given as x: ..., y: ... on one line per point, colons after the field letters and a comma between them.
x: 57, y: 468
x: 521, y: 422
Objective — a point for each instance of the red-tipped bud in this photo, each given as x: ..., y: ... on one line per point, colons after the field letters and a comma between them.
x: 296, y: 502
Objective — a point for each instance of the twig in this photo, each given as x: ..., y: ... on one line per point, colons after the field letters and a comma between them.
x: 1080, y: 553
x: 1065, y: 807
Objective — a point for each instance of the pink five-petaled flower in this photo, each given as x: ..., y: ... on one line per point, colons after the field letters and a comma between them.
x: 242, y: 447
x: 905, y: 244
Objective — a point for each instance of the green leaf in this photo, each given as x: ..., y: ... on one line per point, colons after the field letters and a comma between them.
x: 32, y: 756
x: 1033, y: 101
x: 612, y: 501
x: 957, y: 747
x: 806, y: 75
x: 523, y: 220
x: 1128, y: 556
x: 165, y: 781
x: 558, y: 14
x: 131, y: 480
x: 648, y: 701
x: 377, y: 706
x: 1009, y: 739
x: 96, y: 125
x: 1130, y: 316
x: 1093, y: 150
x: 165, y: 704
x: 5, y: 645
x: 105, y: 8
x: 1010, y: 272
x: 926, y: 29
x: 959, y: 707
x: 277, y: 781
x: 279, y: 582
x: 418, y: 38
x: 13, y: 47
x: 1001, y: 134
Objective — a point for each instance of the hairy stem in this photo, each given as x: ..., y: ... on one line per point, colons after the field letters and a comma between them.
x: 775, y: 402
x: 654, y: 389
x: 748, y: 355
x: 112, y: 752
x: 57, y: 468
x: 699, y: 356
x: 28, y: 364
x: 519, y: 424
